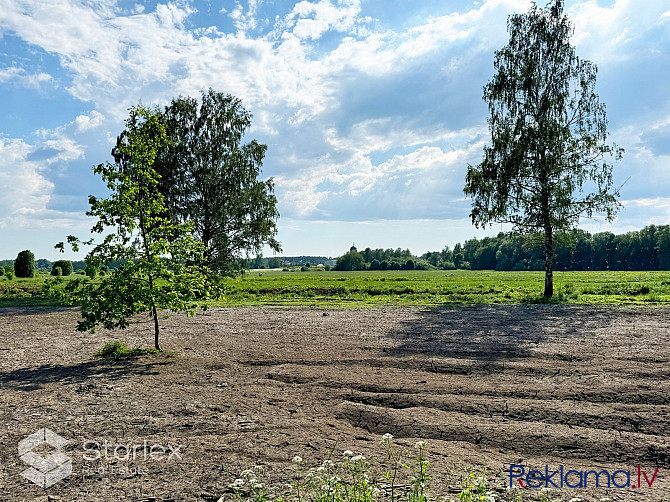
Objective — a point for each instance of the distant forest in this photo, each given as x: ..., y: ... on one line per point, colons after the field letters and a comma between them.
x: 646, y: 249
x: 46, y: 265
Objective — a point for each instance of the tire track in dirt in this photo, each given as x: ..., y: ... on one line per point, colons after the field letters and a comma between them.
x: 580, y: 386
x: 526, y: 438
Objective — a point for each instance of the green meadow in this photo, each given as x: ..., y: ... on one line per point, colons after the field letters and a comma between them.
x: 417, y: 287
x: 371, y: 288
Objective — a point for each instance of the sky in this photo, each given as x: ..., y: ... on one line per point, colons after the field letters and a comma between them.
x: 371, y: 109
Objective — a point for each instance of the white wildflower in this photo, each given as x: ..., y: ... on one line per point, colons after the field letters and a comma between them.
x: 387, y: 437
x: 327, y: 463
x: 320, y: 469
x: 358, y: 458
x: 419, y: 444
x: 297, y: 459
x: 257, y: 486
x: 247, y: 473
x: 348, y: 453
x: 238, y: 482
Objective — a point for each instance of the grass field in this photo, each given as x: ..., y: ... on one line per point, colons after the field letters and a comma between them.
x: 370, y: 288
x: 442, y: 287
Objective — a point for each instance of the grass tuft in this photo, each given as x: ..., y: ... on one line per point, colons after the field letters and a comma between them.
x: 118, y: 350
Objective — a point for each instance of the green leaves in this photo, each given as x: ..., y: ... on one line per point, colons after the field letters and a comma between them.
x: 161, y: 265
x: 209, y: 177
x: 548, y: 134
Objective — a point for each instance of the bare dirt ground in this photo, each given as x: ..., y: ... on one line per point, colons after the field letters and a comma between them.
x: 580, y: 386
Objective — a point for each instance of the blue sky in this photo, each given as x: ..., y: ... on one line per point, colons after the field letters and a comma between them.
x: 371, y: 109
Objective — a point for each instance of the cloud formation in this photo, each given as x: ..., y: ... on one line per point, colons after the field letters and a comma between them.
x: 367, y: 118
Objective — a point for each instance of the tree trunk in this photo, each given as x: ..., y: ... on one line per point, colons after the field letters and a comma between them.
x: 548, y: 262
x: 155, y: 314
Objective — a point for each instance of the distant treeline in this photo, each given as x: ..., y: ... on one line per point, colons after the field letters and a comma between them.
x: 285, y: 261
x: 646, y: 249
x: 46, y: 265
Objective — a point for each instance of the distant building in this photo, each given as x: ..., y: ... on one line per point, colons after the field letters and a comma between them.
x: 353, y: 249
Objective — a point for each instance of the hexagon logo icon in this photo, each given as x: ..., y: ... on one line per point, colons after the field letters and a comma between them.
x: 49, y: 470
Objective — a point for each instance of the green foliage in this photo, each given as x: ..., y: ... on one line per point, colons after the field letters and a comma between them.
x: 646, y: 249
x: 548, y: 135
x: 57, y: 271
x: 24, y: 265
x: 8, y: 272
x: 161, y: 266
x: 209, y: 177
x: 476, y: 488
x: 118, y: 350
x: 345, y: 478
x: 65, y: 267
x: 353, y: 260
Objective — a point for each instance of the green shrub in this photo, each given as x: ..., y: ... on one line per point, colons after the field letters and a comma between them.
x: 9, y: 272
x: 91, y: 271
x: 119, y: 350
x: 352, y: 260
x: 57, y: 271
x: 24, y: 265
x: 65, y: 266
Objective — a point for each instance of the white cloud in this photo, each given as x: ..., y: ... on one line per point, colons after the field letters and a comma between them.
x: 24, y: 184
x: 388, y: 133
x: 90, y: 121
x: 23, y: 78
x: 602, y: 32
x: 310, y: 20
x: 25, y: 191
x: 358, y: 120
x: 407, y: 181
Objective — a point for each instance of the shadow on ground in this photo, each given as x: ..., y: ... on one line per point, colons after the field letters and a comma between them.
x: 30, y: 379
x: 494, y: 332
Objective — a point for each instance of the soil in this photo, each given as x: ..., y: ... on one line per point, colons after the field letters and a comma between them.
x: 585, y: 387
